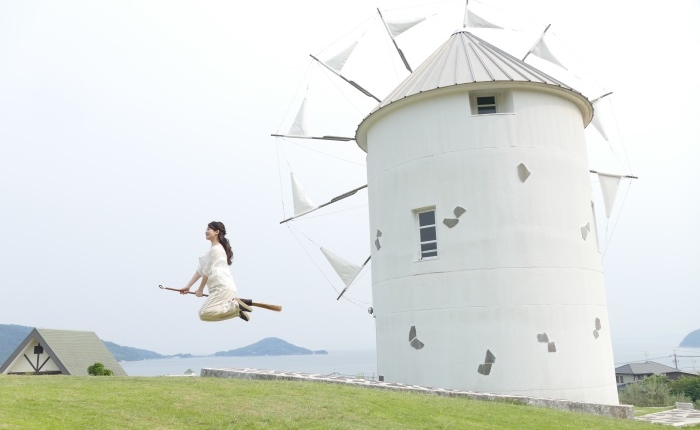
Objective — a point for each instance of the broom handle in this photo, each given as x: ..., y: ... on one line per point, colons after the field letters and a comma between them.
x: 175, y: 289
x: 268, y: 306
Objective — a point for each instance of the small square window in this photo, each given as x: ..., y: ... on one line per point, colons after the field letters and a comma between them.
x: 428, y: 234
x: 489, y: 102
x: 486, y: 104
x: 428, y: 250
x: 426, y: 218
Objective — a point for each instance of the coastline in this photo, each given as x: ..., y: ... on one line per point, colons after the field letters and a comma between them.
x: 364, y: 362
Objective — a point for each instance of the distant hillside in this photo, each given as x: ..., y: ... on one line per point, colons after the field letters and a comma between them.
x: 692, y: 340
x: 127, y: 353
x: 11, y: 336
x: 268, y: 346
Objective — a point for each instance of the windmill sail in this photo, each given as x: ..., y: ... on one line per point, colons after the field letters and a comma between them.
x: 313, y: 208
x: 337, y: 62
x: 395, y: 28
x: 353, y: 83
x: 542, y: 50
x: 597, y: 120
x: 346, y: 270
x: 475, y: 21
x: 302, y: 202
x: 609, y: 184
x: 398, y: 27
x: 300, y: 127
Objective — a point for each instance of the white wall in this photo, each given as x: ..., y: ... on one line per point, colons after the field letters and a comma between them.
x: 20, y: 364
x: 515, y: 265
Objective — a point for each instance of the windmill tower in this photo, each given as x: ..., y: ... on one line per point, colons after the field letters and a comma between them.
x: 486, y: 273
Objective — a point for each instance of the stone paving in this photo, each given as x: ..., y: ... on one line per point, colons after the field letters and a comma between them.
x: 615, y: 411
x: 675, y: 417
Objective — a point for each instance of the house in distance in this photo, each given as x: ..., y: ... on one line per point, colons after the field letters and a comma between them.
x: 59, y: 352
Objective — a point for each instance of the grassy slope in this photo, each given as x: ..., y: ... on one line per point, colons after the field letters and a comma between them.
x: 71, y: 402
x: 639, y: 411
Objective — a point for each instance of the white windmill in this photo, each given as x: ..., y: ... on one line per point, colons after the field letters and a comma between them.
x: 486, y: 271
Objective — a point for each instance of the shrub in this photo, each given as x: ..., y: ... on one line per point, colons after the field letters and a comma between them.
x: 653, y: 391
x: 98, y: 369
x: 688, y: 386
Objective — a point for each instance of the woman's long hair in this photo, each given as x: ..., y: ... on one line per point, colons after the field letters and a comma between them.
x: 218, y: 225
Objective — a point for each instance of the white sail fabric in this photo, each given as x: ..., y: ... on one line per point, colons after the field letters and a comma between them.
x: 541, y: 50
x: 347, y: 271
x: 609, y: 185
x: 398, y: 27
x: 475, y: 21
x: 302, y: 202
x: 338, y: 61
x: 300, y: 126
x: 597, y: 120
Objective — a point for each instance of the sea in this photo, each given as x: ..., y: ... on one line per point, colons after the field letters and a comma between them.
x: 340, y: 363
x: 661, y: 350
x: 363, y: 363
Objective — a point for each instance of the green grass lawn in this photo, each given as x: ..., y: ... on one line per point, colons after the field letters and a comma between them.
x: 639, y: 411
x: 72, y: 402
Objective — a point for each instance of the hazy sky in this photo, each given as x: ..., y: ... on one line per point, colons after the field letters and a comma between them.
x: 126, y: 126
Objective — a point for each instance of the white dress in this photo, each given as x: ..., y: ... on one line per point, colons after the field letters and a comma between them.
x: 221, y: 288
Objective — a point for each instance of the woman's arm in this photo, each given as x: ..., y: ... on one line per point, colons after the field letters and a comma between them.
x: 186, y: 288
x: 200, y: 290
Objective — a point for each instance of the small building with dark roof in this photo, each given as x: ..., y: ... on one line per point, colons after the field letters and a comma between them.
x: 635, y: 372
x: 59, y: 352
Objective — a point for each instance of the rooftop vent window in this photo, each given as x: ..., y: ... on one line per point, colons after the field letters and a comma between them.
x: 491, y: 102
x: 486, y: 104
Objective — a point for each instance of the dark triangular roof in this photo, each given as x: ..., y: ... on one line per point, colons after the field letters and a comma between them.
x: 72, y: 352
x: 647, y: 368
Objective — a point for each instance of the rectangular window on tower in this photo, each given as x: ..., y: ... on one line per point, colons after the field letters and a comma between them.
x: 427, y: 230
x: 486, y: 104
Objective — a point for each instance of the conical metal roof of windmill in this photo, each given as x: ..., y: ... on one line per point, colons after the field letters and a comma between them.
x: 465, y: 59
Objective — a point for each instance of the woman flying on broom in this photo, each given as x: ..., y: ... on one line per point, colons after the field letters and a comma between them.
x: 222, y: 303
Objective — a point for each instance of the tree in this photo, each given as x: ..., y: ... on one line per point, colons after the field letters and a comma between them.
x: 688, y: 386
x: 98, y: 369
x: 652, y: 391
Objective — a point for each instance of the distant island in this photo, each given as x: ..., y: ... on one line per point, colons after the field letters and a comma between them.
x: 692, y: 340
x: 268, y: 346
x: 11, y: 336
